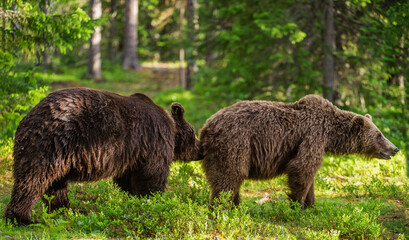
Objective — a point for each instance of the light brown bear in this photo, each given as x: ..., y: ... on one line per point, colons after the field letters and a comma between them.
x: 82, y: 134
x: 263, y: 139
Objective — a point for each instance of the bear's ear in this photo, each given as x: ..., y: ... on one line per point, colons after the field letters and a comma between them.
x: 368, y: 116
x: 177, y: 110
x: 357, y: 123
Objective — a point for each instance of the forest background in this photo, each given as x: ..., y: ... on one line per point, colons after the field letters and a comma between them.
x: 208, y: 55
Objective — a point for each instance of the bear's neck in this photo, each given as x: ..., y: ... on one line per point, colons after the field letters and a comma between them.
x: 341, y: 138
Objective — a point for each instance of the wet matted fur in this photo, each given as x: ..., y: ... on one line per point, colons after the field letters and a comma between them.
x: 263, y: 139
x: 81, y: 134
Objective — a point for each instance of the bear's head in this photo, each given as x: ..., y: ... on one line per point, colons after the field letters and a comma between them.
x: 187, y: 147
x: 370, y: 139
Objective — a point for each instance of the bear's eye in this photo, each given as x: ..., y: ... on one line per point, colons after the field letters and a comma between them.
x: 380, y: 138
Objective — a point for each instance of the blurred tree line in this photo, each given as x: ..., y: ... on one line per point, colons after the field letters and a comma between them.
x: 354, y: 52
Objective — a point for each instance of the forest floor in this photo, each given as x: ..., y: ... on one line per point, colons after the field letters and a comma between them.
x: 357, y: 198
x: 150, y: 79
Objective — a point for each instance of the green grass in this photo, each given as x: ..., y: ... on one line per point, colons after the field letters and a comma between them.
x: 373, y: 210
x: 356, y: 198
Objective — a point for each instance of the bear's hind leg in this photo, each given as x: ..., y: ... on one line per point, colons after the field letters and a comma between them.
x: 125, y: 182
x: 143, y: 182
x: 59, y: 190
x: 147, y: 183
x: 225, y: 182
x: 146, y: 187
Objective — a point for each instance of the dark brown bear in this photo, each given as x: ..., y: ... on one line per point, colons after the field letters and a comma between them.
x: 262, y: 140
x: 82, y: 134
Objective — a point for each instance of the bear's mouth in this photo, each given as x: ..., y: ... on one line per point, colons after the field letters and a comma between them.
x: 384, y: 155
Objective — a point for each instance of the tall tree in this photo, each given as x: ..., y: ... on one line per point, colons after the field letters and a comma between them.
x: 191, y: 19
x: 130, y: 41
x: 94, y: 61
x: 43, y: 56
x: 3, y: 18
x: 328, y: 50
x: 182, y: 70
x: 112, y: 30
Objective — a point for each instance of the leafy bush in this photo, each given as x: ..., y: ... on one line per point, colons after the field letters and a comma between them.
x: 14, y: 106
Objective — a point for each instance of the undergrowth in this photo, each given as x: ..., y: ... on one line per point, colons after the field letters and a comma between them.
x: 344, y: 209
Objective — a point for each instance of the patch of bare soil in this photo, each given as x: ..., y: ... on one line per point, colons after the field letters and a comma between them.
x: 64, y: 84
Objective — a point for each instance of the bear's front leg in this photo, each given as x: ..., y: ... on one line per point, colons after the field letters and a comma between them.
x: 300, y: 185
x: 144, y: 181
x: 310, y: 198
x: 302, y: 169
x: 59, y: 190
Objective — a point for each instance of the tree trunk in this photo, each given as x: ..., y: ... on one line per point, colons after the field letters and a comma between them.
x: 43, y: 57
x: 182, y: 73
x: 210, y: 54
x: 112, y: 32
x: 94, y: 61
x: 130, y: 41
x: 4, y: 27
x: 328, y: 50
x: 191, y: 18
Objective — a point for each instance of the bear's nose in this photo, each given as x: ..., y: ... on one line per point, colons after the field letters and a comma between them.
x: 396, y: 150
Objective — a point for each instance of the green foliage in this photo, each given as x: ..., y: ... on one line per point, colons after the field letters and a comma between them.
x: 27, y: 30
x: 14, y: 107
x: 197, y: 108
x: 245, y: 39
x: 102, y: 210
x: 350, y: 220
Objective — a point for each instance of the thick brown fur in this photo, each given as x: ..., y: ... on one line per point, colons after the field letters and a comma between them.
x: 82, y: 134
x: 263, y: 139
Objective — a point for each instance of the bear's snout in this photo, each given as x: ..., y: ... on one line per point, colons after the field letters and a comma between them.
x: 390, y: 152
x: 396, y: 150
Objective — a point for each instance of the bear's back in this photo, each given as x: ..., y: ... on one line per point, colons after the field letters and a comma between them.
x: 83, y: 121
x: 249, y: 116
